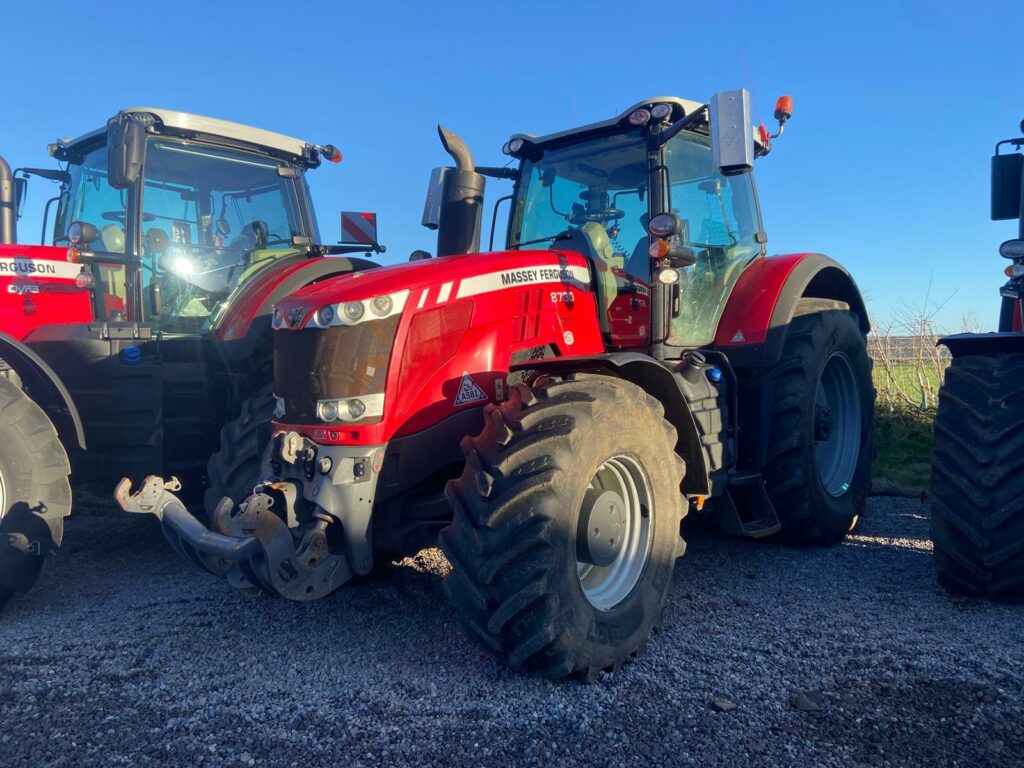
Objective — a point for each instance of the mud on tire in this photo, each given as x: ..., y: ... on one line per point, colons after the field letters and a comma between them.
x: 977, y: 491
x: 35, y: 495
x: 824, y: 333
x: 515, y: 582
x: 235, y: 468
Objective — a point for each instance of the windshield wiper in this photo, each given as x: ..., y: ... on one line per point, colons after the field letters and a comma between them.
x: 567, y: 235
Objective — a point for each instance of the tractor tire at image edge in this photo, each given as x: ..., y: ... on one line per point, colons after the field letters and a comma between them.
x: 566, y: 526
x: 977, y: 490
x: 35, y: 494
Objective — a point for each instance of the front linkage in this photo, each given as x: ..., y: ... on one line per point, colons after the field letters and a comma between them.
x: 274, y: 541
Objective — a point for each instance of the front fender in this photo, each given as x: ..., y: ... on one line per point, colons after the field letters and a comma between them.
x: 45, y: 388
x: 658, y: 380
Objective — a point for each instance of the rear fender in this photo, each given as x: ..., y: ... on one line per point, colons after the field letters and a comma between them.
x: 752, y: 331
x: 984, y: 343
x: 661, y: 383
x: 45, y: 388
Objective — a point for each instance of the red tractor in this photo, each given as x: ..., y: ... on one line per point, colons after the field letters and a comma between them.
x: 553, y: 409
x: 144, y: 328
x: 977, y: 490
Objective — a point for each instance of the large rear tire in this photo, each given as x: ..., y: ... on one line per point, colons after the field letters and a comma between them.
x: 35, y: 494
x: 818, y: 472
x: 977, y: 491
x: 566, y: 526
x: 234, y: 470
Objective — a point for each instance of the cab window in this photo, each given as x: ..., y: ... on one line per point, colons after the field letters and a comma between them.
x: 720, y: 225
x: 211, y: 218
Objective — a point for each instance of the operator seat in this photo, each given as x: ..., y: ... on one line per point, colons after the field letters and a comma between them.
x: 592, y: 241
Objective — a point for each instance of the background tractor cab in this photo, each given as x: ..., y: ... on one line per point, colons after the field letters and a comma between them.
x: 630, y: 352
x: 143, y: 328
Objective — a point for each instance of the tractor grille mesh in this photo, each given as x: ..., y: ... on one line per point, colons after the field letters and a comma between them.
x: 322, y: 364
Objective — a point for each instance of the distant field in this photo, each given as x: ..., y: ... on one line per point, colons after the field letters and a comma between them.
x: 907, y: 396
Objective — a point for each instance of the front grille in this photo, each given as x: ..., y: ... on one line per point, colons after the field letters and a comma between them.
x: 325, y: 364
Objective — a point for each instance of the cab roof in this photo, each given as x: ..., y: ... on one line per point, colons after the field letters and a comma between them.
x: 680, y: 108
x: 175, y: 122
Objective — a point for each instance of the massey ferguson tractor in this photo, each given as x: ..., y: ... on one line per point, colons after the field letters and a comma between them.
x: 977, y: 487
x: 553, y: 409
x: 144, y: 328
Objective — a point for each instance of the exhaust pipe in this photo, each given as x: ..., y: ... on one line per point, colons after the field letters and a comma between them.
x: 8, y: 205
x: 462, y: 200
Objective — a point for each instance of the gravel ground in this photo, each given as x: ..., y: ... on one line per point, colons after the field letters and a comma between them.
x: 849, y: 656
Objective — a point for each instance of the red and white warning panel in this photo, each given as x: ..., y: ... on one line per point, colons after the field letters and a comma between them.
x: 358, y: 228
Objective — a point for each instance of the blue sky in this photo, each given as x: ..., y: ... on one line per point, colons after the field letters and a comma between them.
x: 884, y: 166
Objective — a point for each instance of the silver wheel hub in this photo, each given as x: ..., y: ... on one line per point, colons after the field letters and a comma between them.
x: 614, y: 532
x: 837, y: 424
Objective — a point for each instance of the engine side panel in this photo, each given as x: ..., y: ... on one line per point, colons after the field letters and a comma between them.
x: 37, y: 288
x: 466, y: 318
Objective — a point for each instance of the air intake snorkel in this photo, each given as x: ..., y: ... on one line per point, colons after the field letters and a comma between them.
x: 8, y: 205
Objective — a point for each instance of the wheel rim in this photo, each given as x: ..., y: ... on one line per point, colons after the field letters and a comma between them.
x: 837, y: 425
x: 606, y: 586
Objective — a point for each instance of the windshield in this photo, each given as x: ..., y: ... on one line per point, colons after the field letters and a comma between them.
x: 211, y: 218
x: 592, y: 197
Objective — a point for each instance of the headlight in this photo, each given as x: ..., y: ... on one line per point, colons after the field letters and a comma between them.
x: 351, y: 408
x: 355, y: 312
x: 325, y: 315
x: 381, y: 306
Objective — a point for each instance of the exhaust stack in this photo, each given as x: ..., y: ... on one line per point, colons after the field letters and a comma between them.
x: 8, y: 205
x: 462, y: 200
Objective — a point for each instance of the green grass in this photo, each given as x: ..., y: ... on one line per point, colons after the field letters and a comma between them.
x: 903, y: 444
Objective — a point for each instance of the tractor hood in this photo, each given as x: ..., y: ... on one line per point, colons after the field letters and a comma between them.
x: 438, y: 281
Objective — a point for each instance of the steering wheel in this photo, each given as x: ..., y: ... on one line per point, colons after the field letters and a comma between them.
x: 599, y: 215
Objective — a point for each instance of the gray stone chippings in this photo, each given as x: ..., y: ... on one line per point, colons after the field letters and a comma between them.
x: 123, y: 655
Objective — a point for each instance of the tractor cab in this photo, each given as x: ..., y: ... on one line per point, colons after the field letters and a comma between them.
x: 597, y: 191
x: 665, y: 213
x: 175, y: 212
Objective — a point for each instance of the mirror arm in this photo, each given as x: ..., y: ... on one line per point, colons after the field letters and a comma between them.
x: 694, y: 118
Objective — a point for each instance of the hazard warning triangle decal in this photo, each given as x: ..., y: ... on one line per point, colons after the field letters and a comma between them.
x: 469, y: 391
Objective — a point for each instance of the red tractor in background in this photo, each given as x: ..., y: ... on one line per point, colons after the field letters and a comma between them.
x: 977, y: 489
x: 553, y: 409
x: 144, y: 329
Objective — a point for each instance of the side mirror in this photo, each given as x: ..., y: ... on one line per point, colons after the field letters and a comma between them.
x: 1007, y: 173
x: 435, y: 193
x: 20, y: 191
x: 732, y: 132
x: 126, y: 148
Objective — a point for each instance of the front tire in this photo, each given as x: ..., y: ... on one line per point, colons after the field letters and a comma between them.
x: 566, y: 526
x: 234, y: 470
x: 818, y: 472
x: 35, y: 494
x: 977, y: 490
